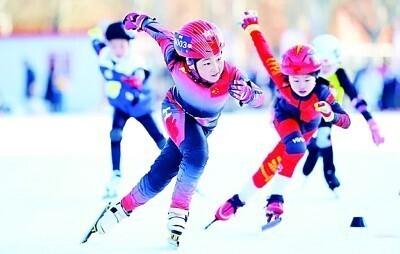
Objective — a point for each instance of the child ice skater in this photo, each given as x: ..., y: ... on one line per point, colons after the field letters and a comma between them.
x: 191, y: 109
x: 328, y: 49
x: 303, y: 99
x: 128, y: 92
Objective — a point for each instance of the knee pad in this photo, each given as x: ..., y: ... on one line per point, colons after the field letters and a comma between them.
x: 324, y: 137
x: 295, y: 143
x: 116, y: 135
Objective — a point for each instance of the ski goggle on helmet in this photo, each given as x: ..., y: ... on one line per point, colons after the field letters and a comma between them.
x: 198, y: 39
x: 300, y: 60
x: 327, y: 48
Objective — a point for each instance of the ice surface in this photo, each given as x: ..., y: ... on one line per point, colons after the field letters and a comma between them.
x: 54, y: 168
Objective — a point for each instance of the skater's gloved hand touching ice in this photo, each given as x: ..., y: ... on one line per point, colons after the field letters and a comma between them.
x: 135, y: 21
x: 241, y: 91
x: 250, y: 18
x: 325, y: 109
x: 376, y: 135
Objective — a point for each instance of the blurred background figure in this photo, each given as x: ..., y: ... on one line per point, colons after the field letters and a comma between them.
x: 4, y: 108
x: 30, y: 81
x: 33, y: 101
x: 57, y: 82
x: 329, y: 51
x: 368, y: 30
x: 369, y: 83
x: 127, y: 91
x: 390, y: 99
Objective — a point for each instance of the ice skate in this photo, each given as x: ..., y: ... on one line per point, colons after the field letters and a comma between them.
x: 111, y: 215
x: 112, y: 186
x: 274, y: 210
x: 332, y: 180
x: 227, y: 210
x: 177, y: 219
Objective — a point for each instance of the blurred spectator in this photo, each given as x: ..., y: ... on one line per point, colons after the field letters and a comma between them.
x: 4, y: 108
x: 259, y: 76
x: 391, y: 93
x: 56, y: 82
x: 30, y: 79
x: 53, y: 95
x: 369, y: 83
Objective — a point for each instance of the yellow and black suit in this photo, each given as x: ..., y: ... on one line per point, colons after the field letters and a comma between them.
x: 321, y: 145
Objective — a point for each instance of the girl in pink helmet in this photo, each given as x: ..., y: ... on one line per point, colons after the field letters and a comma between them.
x: 191, y: 108
x: 304, y: 99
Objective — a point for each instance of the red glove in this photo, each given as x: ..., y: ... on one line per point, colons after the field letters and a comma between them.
x: 325, y: 109
x: 250, y: 18
x: 134, y: 21
x: 132, y: 81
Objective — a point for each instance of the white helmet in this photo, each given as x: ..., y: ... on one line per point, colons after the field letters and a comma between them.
x: 327, y: 48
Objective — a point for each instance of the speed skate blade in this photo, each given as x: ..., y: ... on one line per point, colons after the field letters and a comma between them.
x: 271, y: 224
x: 209, y: 224
x: 93, y: 227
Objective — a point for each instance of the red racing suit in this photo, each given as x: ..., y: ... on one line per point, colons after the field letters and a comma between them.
x: 295, y: 118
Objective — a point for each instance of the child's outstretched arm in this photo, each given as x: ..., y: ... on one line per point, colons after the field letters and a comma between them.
x: 164, y: 37
x: 360, y: 104
x: 250, y: 25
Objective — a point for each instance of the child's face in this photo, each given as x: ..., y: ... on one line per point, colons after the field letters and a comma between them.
x: 211, y: 68
x: 119, y: 47
x: 302, y: 85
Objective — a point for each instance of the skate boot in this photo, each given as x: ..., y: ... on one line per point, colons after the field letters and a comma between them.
x: 177, y: 219
x: 112, y: 186
x: 227, y: 210
x: 332, y: 180
x: 111, y: 215
x: 274, y: 210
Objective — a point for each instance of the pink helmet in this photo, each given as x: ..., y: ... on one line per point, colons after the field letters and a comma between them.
x: 198, y: 39
x: 300, y: 60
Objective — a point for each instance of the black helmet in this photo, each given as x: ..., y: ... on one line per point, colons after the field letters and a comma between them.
x: 116, y: 31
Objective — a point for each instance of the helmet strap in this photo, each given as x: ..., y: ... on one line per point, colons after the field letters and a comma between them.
x: 192, y: 68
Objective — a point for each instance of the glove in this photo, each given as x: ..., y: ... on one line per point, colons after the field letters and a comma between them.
x: 250, y: 18
x: 134, y: 21
x: 325, y: 109
x: 132, y: 81
x: 376, y: 136
x: 241, y: 91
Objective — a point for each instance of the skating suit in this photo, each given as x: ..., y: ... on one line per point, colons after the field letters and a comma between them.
x: 340, y: 85
x: 190, y: 112
x: 133, y: 101
x: 295, y: 117
x: 127, y: 100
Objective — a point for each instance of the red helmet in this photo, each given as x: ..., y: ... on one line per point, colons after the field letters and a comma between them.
x: 198, y: 39
x: 300, y: 60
